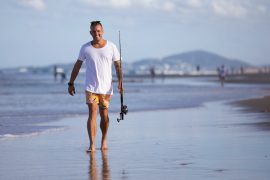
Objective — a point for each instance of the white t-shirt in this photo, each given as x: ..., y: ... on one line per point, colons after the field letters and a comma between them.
x: 99, y: 67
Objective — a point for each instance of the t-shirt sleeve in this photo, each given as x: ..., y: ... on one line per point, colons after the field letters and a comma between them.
x: 116, y: 55
x: 81, y: 56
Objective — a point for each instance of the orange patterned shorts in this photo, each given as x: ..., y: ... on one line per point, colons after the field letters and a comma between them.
x: 103, y: 100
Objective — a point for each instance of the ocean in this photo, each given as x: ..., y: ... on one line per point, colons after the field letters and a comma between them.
x: 28, y: 100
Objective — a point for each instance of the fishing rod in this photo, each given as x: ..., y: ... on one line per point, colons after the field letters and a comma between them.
x: 124, y: 108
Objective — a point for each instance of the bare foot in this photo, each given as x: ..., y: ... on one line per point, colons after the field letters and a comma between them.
x: 91, y: 149
x: 104, y: 146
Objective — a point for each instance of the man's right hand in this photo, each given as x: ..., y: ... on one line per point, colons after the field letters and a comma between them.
x: 71, y: 90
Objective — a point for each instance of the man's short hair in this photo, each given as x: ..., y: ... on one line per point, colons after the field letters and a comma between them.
x: 95, y: 23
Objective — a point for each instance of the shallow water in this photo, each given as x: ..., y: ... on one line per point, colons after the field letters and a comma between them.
x: 29, y: 99
x: 210, y: 142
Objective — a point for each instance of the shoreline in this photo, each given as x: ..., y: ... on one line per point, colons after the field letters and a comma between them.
x: 248, y: 78
x: 192, y: 145
x: 259, y: 105
x: 259, y: 78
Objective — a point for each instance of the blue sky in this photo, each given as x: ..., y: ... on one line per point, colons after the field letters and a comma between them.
x: 45, y: 32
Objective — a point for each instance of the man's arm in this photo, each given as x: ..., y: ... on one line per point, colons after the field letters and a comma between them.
x: 119, y: 75
x: 73, y: 76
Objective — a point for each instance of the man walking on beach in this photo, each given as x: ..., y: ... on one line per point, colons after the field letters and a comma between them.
x: 98, y: 54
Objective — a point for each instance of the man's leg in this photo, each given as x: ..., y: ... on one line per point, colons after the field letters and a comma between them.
x: 92, y: 124
x: 104, y: 125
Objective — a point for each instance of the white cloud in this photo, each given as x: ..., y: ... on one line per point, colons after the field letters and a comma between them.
x: 169, y: 6
x: 147, y: 3
x: 195, y: 3
x: 109, y: 3
x: 120, y: 3
x: 38, y: 5
x: 188, y: 8
x: 228, y: 8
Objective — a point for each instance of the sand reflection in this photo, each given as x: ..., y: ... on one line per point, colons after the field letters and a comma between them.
x: 94, y: 168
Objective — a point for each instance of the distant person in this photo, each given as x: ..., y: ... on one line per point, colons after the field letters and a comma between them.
x: 99, y: 55
x: 55, y: 72
x: 152, y: 73
x: 198, y: 68
x: 222, y: 74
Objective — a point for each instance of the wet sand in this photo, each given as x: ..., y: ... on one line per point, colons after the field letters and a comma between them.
x: 210, y: 142
x: 256, y: 105
x: 260, y: 107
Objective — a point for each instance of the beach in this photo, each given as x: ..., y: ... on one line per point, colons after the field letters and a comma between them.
x: 209, y: 142
x: 199, y: 136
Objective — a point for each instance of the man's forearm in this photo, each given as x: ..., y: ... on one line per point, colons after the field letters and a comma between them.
x: 75, y: 71
x: 118, y: 70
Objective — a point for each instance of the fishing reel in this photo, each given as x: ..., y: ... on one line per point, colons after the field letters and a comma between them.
x: 124, y: 111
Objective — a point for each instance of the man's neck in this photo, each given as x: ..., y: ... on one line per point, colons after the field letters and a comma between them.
x: 98, y: 43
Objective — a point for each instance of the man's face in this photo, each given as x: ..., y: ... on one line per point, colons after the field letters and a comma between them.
x: 96, y: 32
